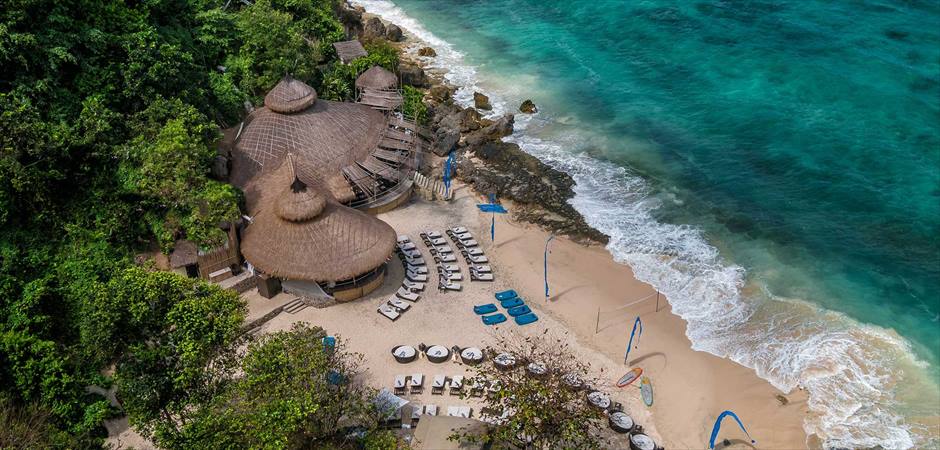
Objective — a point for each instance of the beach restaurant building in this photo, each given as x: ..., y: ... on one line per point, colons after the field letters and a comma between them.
x: 314, y: 173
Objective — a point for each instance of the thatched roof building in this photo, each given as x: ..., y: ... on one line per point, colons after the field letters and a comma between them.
x: 347, y: 51
x: 377, y: 77
x: 300, y: 232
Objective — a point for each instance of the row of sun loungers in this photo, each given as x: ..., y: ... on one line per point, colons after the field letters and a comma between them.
x: 416, y: 275
x: 414, y: 384
x: 473, y: 255
x: 447, y: 274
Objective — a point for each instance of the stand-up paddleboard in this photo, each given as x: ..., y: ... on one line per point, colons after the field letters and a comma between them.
x: 646, y: 390
x: 629, y: 377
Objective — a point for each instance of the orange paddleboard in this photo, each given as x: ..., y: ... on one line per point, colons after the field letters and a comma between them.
x: 630, y: 377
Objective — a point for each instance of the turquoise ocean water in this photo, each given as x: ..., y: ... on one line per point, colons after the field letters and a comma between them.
x: 772, y: 166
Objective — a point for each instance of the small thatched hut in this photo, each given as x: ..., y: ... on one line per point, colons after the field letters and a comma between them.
x: 299, y: 232
x: 377, y: 77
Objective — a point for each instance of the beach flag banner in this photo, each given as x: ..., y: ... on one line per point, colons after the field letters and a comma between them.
x: 495, y: 208
x: 711, y: 441
x: 547, y: 241
x: 636, y: 323
x: 448, y: 165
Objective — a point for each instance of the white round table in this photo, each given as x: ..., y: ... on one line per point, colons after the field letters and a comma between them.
x: 599, y: 399
x: 621, y: 422
x: 471, y: 355
x: 404, y: 353
x: 437, y: 353
x: 537, y: 368
x: 572, y: 380
x: 504, y: 360
x: 642, y: 442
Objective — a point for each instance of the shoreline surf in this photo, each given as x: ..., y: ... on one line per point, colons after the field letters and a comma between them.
x: 856, y: 401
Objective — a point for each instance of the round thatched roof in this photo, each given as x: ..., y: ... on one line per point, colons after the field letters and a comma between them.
x: 324, y: 138
x: 297, y: 233
x: 377, y: 78
x: 290, y: 96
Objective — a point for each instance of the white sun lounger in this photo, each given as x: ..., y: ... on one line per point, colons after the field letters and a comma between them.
x: 437, y: 386
x: 403, y: 238
x: 444, y: 249
x: 459, y: 230
x: 456, y: 384
x: 464, y: 236
x: 419, y: 261
x: 469, y: 243
x: 433, y: 234
x: 418, y: 269
x: 477, y: 259
x: 413, y: 253
x: 430, y: 410
x: 417, y: 383
x: 398, y: 304
x: 452, y: 286
x: 452, y: 268
x: 481, y: 276
x: 400, y: 384
x: 407, y: 246
x: 454, y: 276
x: 416, y: 277
x: 413, y: 287
x: 450, y: 257
x: 407, y: 295
x: 474, y: 252
x: 459, y: 411
x: 481, y: 269
x: 438, y: 241
x: 389, y: 312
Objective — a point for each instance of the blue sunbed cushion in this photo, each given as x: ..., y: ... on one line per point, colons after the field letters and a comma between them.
x: 526, y: 319
x: 519, y: 310
x: 512, y: 303
x: 506, y: 295
x: 494, y: 319
x: 484, y: 309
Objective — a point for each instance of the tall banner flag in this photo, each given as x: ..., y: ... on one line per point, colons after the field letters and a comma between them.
x: 495, y: 208
x: 547, y: 241
x: 448, y: 167
x: 711, y: 441
x: 636, y: 323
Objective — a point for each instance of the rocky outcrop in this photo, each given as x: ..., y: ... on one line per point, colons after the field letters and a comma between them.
x: 445, y: 140
x: 373, y: 28
x: 499, y: 129
x: 481, y: 101
x: 539, y: 192
x: 440, y: 93
x: 394, y: 33
x: 413, y: 75
x: 351, y: 19
x: 427, y: 51
x: 528, y: 107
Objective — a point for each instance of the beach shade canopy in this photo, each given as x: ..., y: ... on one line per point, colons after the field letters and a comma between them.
x: 324, y: 137
x: 347, y: 51
x: 377, y: 78
x: 299, y: 232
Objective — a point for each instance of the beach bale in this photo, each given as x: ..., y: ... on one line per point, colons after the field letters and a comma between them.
x: 481, y: 101
x: 393, y: 33
x: 373, y: 28
x: 413, y: 75
x: 528, y: 107
x: 427, y: 51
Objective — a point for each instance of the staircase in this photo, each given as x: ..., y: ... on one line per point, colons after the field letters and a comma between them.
x: 432, y: 189
x: 294, y: 306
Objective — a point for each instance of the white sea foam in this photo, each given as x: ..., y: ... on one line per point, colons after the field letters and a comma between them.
x: 850, y: 370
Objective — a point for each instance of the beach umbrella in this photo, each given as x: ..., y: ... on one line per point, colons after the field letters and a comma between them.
x: 711, y: 441
x: 547, y: 241
x: 448, y: 166
x: 495, y: 208
x: 636, y: 323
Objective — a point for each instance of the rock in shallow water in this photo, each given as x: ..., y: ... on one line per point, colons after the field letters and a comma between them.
x: 481, y: 101
x: 427, y: 51
x: 528, y: 107
x: 394, y: 33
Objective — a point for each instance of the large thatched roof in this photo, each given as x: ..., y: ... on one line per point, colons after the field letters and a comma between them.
x: 298, y: 232
x: 347, y: 51
x: 377, y: 78
x: 324, y: 137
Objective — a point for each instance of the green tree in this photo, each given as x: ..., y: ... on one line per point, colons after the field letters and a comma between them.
x: 540, y: 412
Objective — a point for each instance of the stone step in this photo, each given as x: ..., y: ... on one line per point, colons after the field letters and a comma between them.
x: 221, y: 275
x: 294, y: 306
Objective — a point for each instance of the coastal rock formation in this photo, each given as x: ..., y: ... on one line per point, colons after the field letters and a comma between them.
x: 427, y: 51
x: 528, y: 107
x: 394, y: 33
x: 499, y: 129
x: 445, y: 139
x: 463, y: 120
x: 351, y: 19
x: 541, y: 193
x: 413, y: 75
x: 440, y: 93
x: 481, y: 101
x: 373, y: 28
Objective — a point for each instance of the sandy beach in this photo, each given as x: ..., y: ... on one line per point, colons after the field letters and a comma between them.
x: 691, y: 388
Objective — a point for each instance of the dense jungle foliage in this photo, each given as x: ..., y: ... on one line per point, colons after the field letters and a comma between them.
x: 110, y: 112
